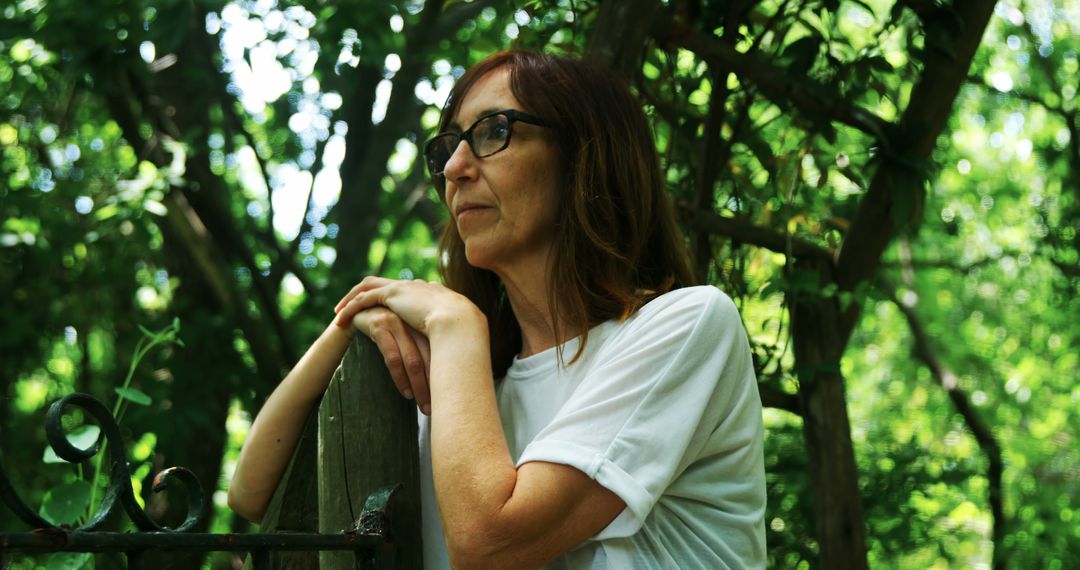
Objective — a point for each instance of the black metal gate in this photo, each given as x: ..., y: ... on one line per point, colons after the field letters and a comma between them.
x: 369, y: 537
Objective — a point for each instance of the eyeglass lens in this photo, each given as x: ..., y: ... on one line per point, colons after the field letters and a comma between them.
x: 488, y: 136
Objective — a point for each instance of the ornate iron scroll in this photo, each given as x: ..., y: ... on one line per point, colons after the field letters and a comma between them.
x: 119, y: 489
x: 368, y: 538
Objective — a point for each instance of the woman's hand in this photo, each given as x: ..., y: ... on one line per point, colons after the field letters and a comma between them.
x: 399, y: 316
x: 420, y: 304
x: 406, y: 352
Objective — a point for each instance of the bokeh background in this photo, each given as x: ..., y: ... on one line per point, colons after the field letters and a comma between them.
x: 188, y: 186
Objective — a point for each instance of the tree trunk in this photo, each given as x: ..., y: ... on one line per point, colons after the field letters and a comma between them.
x: 175, y: 102
x: 620, y: 34
x: 834, y: 477
x: 358, y: 211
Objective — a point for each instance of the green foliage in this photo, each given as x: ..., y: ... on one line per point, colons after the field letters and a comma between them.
x: 67, y: 503
x: 790, y: 514
x: 110, y: 111
x: 68, y: 560
x: 82, y: 437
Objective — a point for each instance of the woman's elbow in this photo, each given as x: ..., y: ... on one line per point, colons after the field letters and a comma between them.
x: 488, y: 546
x: 472, y: 548
x: 245, y: 506
x: 470, y: 558
x: 483, y: 559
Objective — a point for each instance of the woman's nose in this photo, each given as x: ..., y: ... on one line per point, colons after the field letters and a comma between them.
x: 462, y: 163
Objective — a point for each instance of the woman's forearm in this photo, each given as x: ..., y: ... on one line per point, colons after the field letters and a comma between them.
x: 471, y: 463
x: 277, y: 428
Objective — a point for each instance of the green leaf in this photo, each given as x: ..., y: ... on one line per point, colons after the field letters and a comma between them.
x: 83, y: 437
x: 68, y: 560
x: 134, y: 395
x: 66, y: 503
x: 50, y: 456
x: 866, y: 6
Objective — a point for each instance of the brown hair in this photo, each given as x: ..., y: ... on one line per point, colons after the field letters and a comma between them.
x: 617, y: 245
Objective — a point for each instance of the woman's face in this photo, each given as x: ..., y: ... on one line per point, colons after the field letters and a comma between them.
x: 504, y: 205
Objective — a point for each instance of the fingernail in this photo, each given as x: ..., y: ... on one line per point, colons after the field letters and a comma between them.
x: 426, y: 408
x: 408, y: 394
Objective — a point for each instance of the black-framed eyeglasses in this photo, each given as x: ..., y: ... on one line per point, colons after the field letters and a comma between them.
x: 488, y: 135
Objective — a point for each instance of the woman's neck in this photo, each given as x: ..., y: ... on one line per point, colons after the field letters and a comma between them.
x: 527, y: 294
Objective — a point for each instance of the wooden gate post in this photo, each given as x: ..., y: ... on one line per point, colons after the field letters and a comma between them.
x: 367, y: 441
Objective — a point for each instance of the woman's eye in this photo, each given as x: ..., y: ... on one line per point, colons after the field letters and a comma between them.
x: 495, y: 131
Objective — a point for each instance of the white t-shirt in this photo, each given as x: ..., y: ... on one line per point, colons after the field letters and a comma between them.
x: 663, y: 410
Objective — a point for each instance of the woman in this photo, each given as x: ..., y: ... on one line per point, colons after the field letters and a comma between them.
x: 582, y: 406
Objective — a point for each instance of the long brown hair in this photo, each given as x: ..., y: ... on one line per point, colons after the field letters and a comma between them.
x: 617, y: 245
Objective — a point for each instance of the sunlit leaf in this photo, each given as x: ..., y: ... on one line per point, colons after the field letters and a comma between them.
x: 69, y: 561
x: 65, y: 503
x: 134, y: 395
x: 83, y: 437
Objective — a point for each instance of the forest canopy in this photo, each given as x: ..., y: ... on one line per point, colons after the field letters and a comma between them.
x: 888, y: 190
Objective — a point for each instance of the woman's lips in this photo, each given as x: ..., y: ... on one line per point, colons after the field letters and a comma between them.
x: 470, y: 210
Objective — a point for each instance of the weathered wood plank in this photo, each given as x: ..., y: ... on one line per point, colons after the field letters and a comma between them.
x: 368, y: 440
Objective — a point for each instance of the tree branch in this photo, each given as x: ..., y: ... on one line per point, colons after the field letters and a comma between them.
x: 1018, y: 94
x: 418, y: 193
x: 620, y: 34
x: 946, y: 264
x: 895, y: 195
x: 710, y: 159
x: 773, y: 397
x: 672, y: 115
x: 285, y: 256
x: 814, y: 99
x: 360, y: 175
x: 190, y: 226
x: 984, y: 435
x: 457, y: 14
x: 1069, y: 116
x: 746, y: 232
